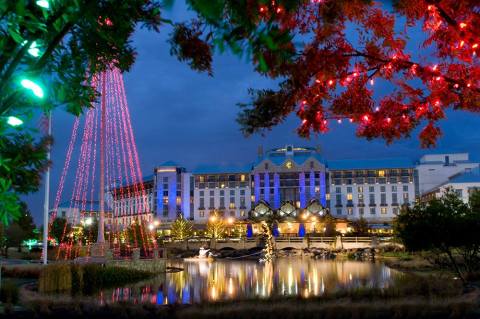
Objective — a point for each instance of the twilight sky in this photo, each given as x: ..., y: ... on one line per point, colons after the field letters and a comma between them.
x: 188, y: 117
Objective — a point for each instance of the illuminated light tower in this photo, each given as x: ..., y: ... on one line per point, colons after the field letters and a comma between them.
x: 113, y: 175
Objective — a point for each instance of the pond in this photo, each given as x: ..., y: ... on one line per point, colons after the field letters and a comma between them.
x: 203, y: 281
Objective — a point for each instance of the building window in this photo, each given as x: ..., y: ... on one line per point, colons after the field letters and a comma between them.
x: 242, y: 192
x: 372, y: 198
x: 349, y: 189
x: 212, y: 202
x: 381, y: 173
x: 394, y: 198
x: 266, y: 166
x: 350, y: 211
x: 395, y: 210
x: 317, y: 189
x: 242, y: 178
x: 360, y: 189
x: 202, y: 203
x: 327, y: 196
x: 339, y: 211
x: 394, y: 188
x: 222, y: 202
x: 360, y: 198
x: 383, y: 210
x: 165, y: 180
x: 372, y: 210
x: 200, y: 193
x: 232, y: 192
x: 459, y: 192
x: 338, y: 189
x: 405, y: 188
x: 349, y: 196
x: 405, y: 198
x: 360, y: 211
x: 242, y: 213
x: 222, y: 193
x: 382, y: 189
x: 383, y: 199
x: 371, y: 189
x: 338, y: 198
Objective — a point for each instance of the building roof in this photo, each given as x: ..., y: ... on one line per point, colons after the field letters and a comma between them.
x: 215, y: 169
x: 169, y: 163
x: 472, y: 176
x: 298, y: 155
x: 89, y: 205
x: 370, y: 163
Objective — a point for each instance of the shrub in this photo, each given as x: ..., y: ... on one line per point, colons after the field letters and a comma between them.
x: 9, y: 292
x: 55, y: 278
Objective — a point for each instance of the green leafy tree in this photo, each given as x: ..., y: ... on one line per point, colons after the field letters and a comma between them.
x: 15, y: 235
x: 447, y: 228
x: 49, y: 52
x: 181, y: 228
x: 22, y: 229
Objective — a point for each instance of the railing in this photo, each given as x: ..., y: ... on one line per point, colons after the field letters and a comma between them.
x: 322, y: 239
x: 356, y: 239
x: 289, y: 239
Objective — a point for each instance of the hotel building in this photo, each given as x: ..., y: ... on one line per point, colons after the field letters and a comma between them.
x: 374, y: 189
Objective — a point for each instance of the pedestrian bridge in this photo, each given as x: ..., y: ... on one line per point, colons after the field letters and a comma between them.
x: 331, y: 243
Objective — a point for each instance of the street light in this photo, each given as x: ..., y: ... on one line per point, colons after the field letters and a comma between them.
x: 32, y: 86
x: 14, y: 121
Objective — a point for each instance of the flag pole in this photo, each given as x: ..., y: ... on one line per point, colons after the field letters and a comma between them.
x: 47, y: 198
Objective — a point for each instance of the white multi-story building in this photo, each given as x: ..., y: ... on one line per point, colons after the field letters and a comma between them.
x: 463, y: 184
x: 372, y: 189
x: 225, y: 191
x: 435, y: 169
x: 81, y: 212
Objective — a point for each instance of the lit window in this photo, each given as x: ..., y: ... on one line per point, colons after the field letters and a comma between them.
x: 252, y: 198
x: 383, y: 210
x: 317, y: 189
x: 179, y: 200
x: 202, y: 179
x: 327, y: 196
x: 381, y: 173
x: 349, y: 196
x: 242, y: 178
x: 298, y: 204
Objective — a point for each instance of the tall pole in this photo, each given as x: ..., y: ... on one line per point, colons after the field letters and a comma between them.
x: 47, y: 197
x: 101, y: 223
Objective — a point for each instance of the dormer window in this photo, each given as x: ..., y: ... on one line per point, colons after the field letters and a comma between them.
x: 266, y: 166
x: 312, y: 165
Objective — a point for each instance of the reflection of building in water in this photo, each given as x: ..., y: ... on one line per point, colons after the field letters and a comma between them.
x: 227, y: 280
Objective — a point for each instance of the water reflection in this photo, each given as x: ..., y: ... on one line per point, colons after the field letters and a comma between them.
x: 222, y: 280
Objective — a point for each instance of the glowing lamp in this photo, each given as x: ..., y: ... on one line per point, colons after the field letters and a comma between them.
x: 14, y: 121
x: 88, y: 221
x: 151, y: 227
x: 32, y: 86
x: 366, y: 118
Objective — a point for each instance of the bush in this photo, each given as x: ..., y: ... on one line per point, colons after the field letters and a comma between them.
x: 21, y: 271
x: 55, y: 278
x: 9, y: 292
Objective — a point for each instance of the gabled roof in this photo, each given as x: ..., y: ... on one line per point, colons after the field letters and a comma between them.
x: 169, y: 163
x: 370, y: 163
x: 472, y: 176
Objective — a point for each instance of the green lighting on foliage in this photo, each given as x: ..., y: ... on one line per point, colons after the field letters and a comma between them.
x: 43, y: 3
x: 35, y: 88
x: 14, y: 121
x: 30, y: 243
x: 33, y: 50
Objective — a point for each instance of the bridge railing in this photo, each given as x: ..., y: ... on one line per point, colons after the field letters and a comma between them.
x: 289, y: 239
x: 322, y: 239
x: 357, y: 239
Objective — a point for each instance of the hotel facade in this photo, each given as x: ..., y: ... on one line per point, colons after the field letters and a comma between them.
x: 373, y: 189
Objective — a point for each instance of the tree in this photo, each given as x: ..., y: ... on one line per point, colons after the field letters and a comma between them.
x: 22, y: 229
x: 181, y: 228
x: 326, y: 56
x: 25, y: 221
x: 330, y: 225
x: 447, y: 227
x: 216, y: 227
x: 60, y: 229
x: 360, y: 226
x: 49, y: 53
